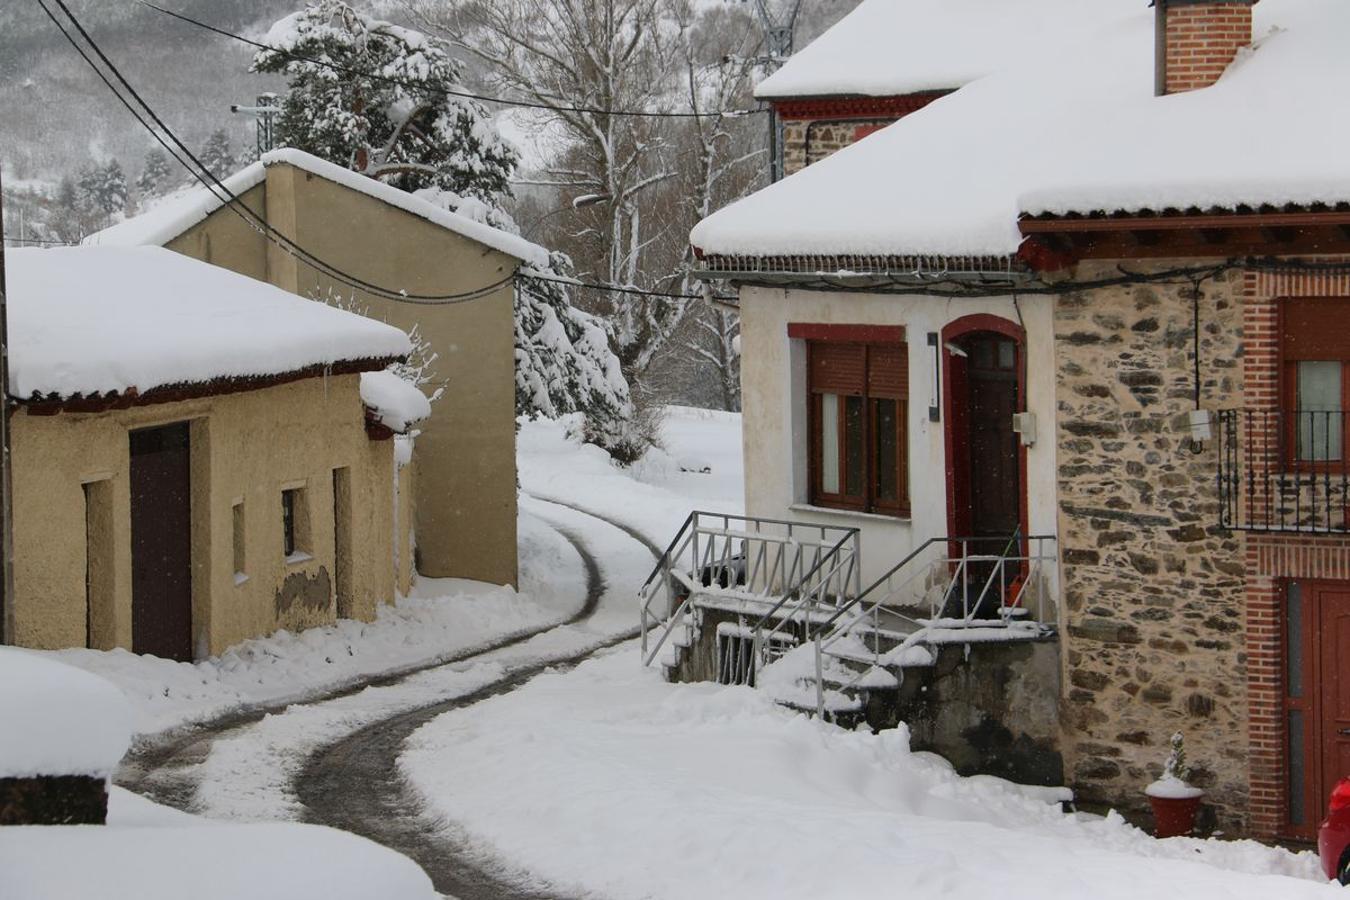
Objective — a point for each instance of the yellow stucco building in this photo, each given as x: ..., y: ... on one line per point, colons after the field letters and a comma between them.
x: 465, y: 461
x: 193, y: 461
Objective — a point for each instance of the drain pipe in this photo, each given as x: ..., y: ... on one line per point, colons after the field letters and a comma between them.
x: 1159, y: 47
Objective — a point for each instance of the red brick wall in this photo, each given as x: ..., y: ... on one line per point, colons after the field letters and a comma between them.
x: 1272, y: 558
x: 1202, y: 40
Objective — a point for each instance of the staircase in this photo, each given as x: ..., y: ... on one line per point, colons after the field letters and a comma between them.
x: 778, y: 605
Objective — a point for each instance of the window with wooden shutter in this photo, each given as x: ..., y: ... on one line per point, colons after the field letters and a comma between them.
x: 858, y: 397
x: 1315, y: 348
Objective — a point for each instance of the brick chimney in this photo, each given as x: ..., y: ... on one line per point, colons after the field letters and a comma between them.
x: 1197, y: 39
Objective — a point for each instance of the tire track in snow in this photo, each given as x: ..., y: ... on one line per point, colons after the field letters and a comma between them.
x: 354, y: 783
x: 166, y: 769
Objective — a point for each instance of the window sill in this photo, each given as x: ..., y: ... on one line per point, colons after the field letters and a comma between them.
x: 298, y: 557
x: 240, y: 578
x: 849, y: 513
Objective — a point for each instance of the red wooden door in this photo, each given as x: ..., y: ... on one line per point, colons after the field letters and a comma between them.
x: 161, y: 542
x: 995, y: 485
x: 1333, y: 686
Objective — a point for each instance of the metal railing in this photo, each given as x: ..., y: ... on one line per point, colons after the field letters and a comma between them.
x: 1283, y: 471
x: 773, y: 568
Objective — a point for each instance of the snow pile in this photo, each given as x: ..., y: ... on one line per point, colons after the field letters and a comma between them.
x: 89, y: 320
x: 1172, y: 788
x: 889, y: 47
x: 57, y: 720
x: 149, y: 852
x: 442, y: 617
x: 953, y: 178
x: 698, y: 790
x: 168, y: 220
x: 395, y: 402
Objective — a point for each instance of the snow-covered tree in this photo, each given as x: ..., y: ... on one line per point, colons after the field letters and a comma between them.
x: 216, y: 155
x: 155, y: 173
x: 449, y: 152
x: 410, y: 133
x: 103, y: 189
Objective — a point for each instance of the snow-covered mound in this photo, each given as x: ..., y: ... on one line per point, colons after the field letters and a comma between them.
x: 91, y: 320
x: 691, y: 791
x: 57, y: 720
x: 148, y: 852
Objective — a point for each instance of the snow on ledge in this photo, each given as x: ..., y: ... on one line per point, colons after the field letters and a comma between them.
x: 396, y: 403
x: 57, y: 720
x: 167, y: 221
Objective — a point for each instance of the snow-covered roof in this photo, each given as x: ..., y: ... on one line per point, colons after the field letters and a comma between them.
x: 98, y: 320
x: 953, y: 178
x: 396, y: 403
x: 890, y: 47
x: 58, y: 719
x: 170, y: 219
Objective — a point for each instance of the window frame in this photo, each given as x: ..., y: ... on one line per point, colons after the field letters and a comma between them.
x: 1289, y: 360
x: 871, y: 341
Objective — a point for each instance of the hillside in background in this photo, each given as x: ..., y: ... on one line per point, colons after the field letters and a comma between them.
x: 58, y: 116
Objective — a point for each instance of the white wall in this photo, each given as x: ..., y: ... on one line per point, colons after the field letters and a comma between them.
x: 773, y: 376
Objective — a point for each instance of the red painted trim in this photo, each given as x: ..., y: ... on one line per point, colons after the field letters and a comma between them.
x: 893, y: 107
x: 951, y: 415
x: 853, y: 334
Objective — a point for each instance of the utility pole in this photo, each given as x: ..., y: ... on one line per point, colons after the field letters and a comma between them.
x: 6, y: 519
x: 778, y: 38
x: 265, y: 113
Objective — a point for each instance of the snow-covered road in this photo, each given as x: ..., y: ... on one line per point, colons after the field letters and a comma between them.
x: 332, y: 760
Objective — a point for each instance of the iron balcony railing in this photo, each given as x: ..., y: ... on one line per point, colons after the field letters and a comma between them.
x: 1283, y: 471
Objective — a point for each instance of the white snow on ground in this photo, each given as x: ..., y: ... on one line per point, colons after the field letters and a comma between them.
x: 694, y: 791
x: 888, y: 47
x: 168, y: 220
x: 56, y: 720
x: 397, y: 403
x: 654, y: 495
x: 148, y: 852
x: 440, y: 618
x: 248, y: 774
x: 85, y: 320
x: 1030, y: 139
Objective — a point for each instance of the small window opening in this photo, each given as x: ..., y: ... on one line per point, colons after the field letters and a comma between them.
x: 240, y: 554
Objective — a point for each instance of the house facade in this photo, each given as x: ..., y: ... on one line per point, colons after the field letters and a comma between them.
x: 1065, y: 338
x: 192, y: 457
x: 464, y: 459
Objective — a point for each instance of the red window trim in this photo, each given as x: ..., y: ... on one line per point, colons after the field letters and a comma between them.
x: 852, y: 334
x: 867, y: 501
x: 1288, y: 388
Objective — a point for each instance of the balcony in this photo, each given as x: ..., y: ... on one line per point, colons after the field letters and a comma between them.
x: 1283, y: 471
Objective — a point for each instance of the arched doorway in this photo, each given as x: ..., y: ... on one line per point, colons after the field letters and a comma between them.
x: 984, y: 374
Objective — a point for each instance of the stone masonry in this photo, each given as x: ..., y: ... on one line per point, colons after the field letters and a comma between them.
x: 826, y: 138
x: 1153, y: 590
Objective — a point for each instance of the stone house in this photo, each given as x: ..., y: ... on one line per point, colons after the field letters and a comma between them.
x: 889, y: 58
x: 464, y: 459
x: 194, y: 459
x: 1108, y: 345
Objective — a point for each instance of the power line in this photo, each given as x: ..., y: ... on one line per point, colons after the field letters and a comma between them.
x: 412, y: 85
x: 222, y: 193
x: 619, y: 288
x: 217, y: 189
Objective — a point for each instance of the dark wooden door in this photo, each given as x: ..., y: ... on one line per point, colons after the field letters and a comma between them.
x: 1333, y: 685
x: 161, y: 542
x: 995, y: 470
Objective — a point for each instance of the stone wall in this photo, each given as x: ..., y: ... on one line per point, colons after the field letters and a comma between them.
x: 826, y: 137
x: 1153, y: 590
